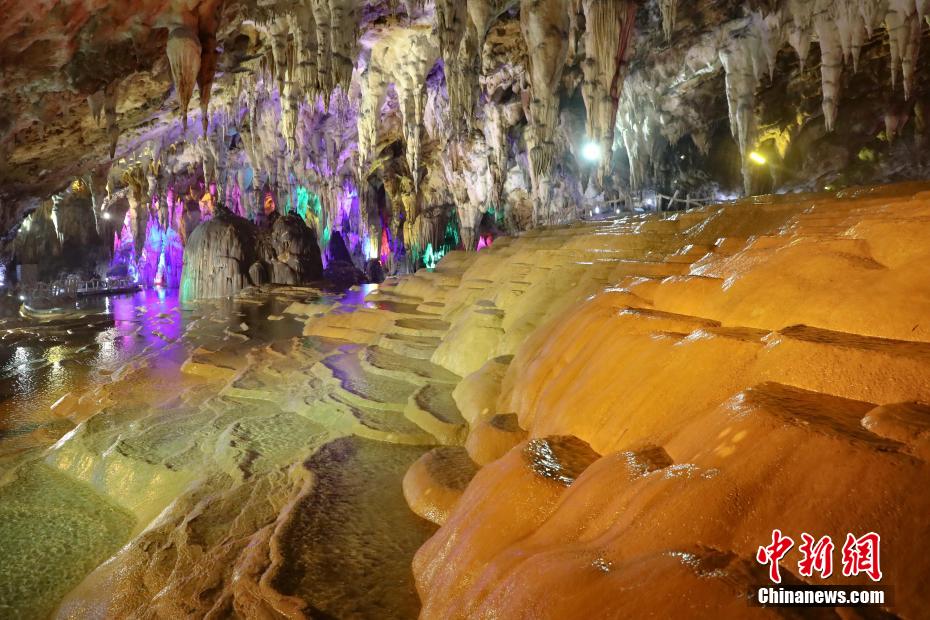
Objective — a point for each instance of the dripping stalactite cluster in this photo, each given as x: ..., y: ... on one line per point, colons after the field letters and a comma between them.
x: 390, y: 122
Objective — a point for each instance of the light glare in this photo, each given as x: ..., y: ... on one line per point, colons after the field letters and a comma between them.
x: 758, y: 158
x: 591, y: 151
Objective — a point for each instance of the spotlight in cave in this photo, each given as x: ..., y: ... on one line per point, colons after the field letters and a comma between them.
x: 758, y: 158
x: 592, y: 151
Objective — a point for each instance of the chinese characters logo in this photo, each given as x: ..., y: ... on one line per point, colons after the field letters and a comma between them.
x: 858, y: 555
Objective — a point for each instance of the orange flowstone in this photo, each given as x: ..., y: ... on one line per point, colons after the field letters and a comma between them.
x: 776, y: 383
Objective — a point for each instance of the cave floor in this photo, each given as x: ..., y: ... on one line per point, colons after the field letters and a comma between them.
x: 254, y: 466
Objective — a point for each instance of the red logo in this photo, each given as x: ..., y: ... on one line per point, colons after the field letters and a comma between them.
x: 818, y: 556
x: 860, y: 555
x: 773, y: 553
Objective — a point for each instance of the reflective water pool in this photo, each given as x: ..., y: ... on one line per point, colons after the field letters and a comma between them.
x: 42, y: 362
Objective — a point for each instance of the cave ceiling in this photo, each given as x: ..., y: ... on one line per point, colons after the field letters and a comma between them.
x: 678, y: 90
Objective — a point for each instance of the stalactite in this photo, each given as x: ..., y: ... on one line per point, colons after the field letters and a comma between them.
x: 95, y: 102
x: 411, y: 84
x: 638, y: 125
x: 205, y: 75
x: 452, y: 23
x: 337, y: 42
x: 767, y: 31
x: 741, y: 86
x: 831, y: 66
x: 608, y: 29
x: 278, y: 30
x: 403, y: 59
x: 137, y: 216
x: 305, y: 50
x: 669, y: 10
x: 544, y: 24
x: 344, y: 15
x: 903, y: 24
x: 109, y: 106
x: 184, y: 53
x: 495, y: 135
x: 323, y: 20
x: 851, y: 28
x: 800, y: 28
x: 374, y: 89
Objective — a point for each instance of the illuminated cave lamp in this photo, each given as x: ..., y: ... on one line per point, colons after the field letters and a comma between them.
x: 757, y: 158
x: 591, y: 151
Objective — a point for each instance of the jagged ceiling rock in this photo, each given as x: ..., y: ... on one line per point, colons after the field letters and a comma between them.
x: 339, y: 93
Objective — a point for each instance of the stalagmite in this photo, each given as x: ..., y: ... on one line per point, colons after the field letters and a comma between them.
x: 184, y: 52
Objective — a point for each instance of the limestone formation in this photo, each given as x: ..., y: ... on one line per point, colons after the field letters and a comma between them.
x: 218, y: 256
x: 184, y: 52
x: 460, y: 309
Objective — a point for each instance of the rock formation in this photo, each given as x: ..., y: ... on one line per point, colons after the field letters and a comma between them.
x: 228, y: 253
x: 638, y: 304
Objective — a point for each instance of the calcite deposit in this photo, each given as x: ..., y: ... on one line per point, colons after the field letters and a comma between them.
x: 727, y: 371
x: 462, y: 309
x: 606, y: 418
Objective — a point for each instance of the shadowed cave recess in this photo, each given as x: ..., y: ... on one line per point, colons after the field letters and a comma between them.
x: 464, y: 309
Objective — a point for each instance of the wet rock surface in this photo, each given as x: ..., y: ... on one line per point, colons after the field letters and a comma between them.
x: 708, y: 356
x: 625, y: 377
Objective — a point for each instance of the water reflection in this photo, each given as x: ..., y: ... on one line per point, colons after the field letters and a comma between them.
x: 50, y: 359
x: 40, y: 362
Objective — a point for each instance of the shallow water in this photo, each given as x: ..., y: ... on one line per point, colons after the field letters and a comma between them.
x: 79, y: 480
x: 42, y: 361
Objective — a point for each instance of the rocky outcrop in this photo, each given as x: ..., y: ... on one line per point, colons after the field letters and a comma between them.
x: 297, y: 256
x: 228, y: 253
x: 218, y: 256
x: 340, y: 268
